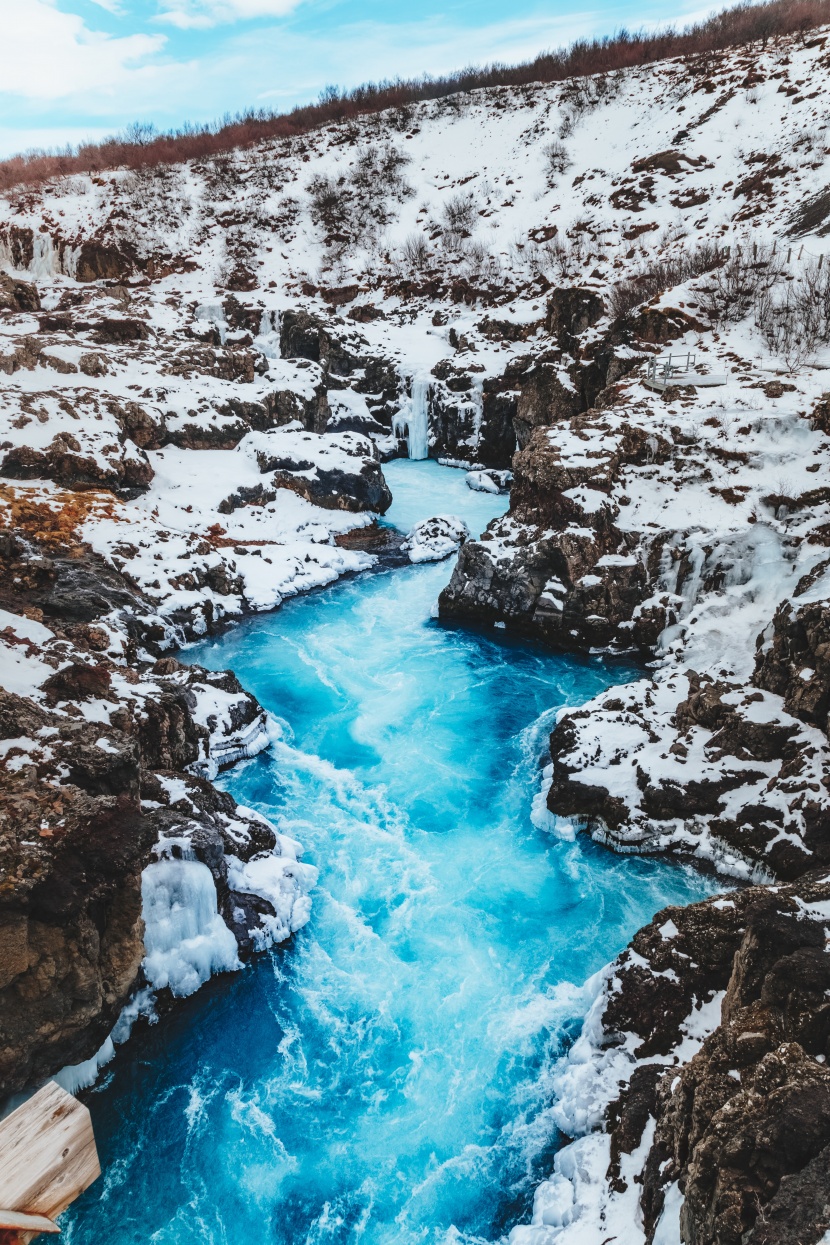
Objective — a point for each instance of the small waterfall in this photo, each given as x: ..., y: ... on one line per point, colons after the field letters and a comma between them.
x: 185, y: 938
x: 45, y: 260
x: 412, y: 421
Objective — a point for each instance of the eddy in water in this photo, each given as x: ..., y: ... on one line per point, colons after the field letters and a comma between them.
x: 385, y: 1077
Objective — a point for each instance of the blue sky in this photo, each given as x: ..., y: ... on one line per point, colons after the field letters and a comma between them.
x: 74, y: 69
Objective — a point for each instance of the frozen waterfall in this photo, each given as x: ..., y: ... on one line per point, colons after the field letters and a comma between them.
x: 412, y: 421
x: 185, y: 938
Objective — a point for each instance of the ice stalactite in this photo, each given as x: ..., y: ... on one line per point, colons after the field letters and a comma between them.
x: 412, y: 421
x: 185, y: 938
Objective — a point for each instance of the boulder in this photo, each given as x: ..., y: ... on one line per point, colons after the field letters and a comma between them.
x: 434, y: 539
x: 17, y: 295
x: 338, y: 471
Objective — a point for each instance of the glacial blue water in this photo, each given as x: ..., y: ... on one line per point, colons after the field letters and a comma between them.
x: 386, y: 1076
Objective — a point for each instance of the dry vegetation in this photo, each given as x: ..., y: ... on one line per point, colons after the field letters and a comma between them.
x: 141, y: 147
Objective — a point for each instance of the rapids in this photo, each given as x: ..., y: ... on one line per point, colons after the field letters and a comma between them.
x: 385, y: 1077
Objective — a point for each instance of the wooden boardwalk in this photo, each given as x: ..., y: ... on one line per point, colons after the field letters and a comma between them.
x: 47, y: 1158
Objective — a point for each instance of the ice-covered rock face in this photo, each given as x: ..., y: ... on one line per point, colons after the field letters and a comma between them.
x: 185, y: 938
x: 434, y: 539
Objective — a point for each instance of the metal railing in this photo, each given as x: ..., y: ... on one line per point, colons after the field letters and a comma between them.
x: 670, y: 367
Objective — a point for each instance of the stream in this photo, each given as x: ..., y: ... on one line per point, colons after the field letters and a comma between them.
x: 385, y: 1076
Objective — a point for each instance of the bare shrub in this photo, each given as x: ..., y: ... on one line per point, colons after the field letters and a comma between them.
x: 793, y: 317
x: 415, y: 251
x: 329, y: 200
x: 556, y: 156
x: 659, y: 275
x: 268, y: 174
x: 736, y: 285
x: 380, y: 169
x: 567, y: 124
x: 222, y: 176
x: 70, y: 186
x: 459, y: 213
x: 358, y: 203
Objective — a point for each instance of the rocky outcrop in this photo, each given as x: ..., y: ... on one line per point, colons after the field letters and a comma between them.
x: 796, y: 662
x: 434, y: 539
x: 695, y: 766
x: 557, y: 565
x: 16, y: 295
x: 102, y: 763
x: 342, y: 472
x: 696, y: 1096
x: 745, y: 1124
x: 346, y: 359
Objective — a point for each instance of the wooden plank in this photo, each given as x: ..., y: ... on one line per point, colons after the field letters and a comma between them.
x: 47, y: 1153
x: 13, y: 1220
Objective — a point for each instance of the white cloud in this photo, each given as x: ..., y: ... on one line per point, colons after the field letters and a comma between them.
x: 198, y: 14
x: 46, y: 54
x: 48, y: 138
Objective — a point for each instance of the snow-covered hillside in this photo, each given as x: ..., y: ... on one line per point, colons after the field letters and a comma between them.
x: 204, y: 368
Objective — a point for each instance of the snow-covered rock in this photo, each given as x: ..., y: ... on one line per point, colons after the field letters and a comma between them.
x: 431, y: 540
x: 489, y: 481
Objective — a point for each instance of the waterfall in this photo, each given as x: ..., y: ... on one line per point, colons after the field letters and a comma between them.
x: 412, y: 421
x: 185, y: 938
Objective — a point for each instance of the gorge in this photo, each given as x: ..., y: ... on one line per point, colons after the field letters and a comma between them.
x: 387, y: 1075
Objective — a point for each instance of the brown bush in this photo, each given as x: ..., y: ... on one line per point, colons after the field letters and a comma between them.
x: 140, y: 147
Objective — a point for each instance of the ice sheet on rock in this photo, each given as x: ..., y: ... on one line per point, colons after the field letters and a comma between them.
x: 185, y: 938
x: 488, y: 480
x: 576, y: 1204
x: 412, y: 420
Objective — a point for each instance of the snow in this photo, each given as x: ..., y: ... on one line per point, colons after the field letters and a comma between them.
x: 281, y: 880
x: 24, y: 665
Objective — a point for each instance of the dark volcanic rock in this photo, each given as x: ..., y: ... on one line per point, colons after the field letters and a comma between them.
x: 751, y: 1111
x: 16, y: 295
x: 796, y: 663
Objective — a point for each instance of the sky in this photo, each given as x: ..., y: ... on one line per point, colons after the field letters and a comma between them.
x: 72, y: 70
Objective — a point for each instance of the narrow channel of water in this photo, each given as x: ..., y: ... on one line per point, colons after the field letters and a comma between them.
x: 385, y: 1077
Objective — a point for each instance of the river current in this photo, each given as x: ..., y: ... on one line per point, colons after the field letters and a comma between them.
x: 385, y: 1077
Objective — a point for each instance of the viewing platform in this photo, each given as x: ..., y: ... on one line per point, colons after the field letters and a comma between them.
x: 679, y: 369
